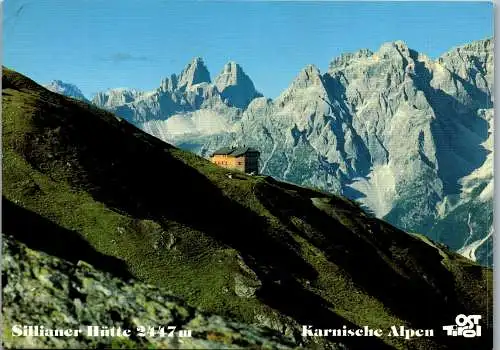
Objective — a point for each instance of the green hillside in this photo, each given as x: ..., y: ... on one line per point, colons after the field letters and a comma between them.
x: 81, y: 184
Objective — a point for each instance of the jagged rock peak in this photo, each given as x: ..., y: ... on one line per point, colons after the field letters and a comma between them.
x: 476, y: 46
x: 481, y: 48
x: 398, y: 46
x: 309, y: 75
x: 473, y: 62
x: 194, y: 73
x: 345, y: 58
x: 56, y: 83
x: 235, y: 85
x: 169, y: 84
x: 231, y: 74
x: 66, y: 89
x: 232, y: 67
x: 397, y: 51
x: 115, y: 96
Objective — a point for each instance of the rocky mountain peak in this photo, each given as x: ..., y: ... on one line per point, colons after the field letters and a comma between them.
x: 472, y: 62
x: 57, y: 83
x: 231, y: 74
x: 194, y: 73
x: 306, y: 96
x: 394, y: 49
x: 66, y: 89
x: 235, y: 85
x: 476, y: 46
x: 310, y: 75
x: 345, y: 58
x: 480, y: 51
x: 400, y: 44
x: 232, y: 68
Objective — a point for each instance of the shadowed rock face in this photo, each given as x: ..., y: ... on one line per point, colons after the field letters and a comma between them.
x: 393, y: 129
x: 39, y: 289
x: 235, y: 86
x: 195, y: 73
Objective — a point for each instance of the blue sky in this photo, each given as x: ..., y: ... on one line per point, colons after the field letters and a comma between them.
x: 130, y: 43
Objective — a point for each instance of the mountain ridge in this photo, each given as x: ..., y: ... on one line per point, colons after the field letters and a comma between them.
x: 66, y: 89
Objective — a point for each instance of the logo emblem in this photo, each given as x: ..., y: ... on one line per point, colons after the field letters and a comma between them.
x: 466, y: 326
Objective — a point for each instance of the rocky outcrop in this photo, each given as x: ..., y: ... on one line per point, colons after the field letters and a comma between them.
x: 42, y: 290
x: 246, y: 282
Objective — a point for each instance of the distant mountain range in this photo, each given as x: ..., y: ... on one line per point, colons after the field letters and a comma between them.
x: 66, y: 89
x: 408, y: 137
x: 82, y: 187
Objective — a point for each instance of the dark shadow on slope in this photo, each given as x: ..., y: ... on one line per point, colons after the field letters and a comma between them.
x: 455, y: 157
x: 41, y: 234
x: 237, y: 95
x: 337, y: 92
x: 405, y: 274
x: 310, y: 309
x: 352, y: 193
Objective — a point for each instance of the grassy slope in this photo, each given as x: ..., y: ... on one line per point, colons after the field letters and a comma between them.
x: 319, y: 258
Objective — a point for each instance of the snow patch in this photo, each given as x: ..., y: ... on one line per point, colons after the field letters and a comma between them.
x: 199, y: 123
x: 268, y: 159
